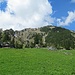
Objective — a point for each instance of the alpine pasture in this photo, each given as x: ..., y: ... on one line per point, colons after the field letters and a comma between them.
x: 36, y: 62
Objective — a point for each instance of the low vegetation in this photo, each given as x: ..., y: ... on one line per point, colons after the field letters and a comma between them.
x: 36, y: 62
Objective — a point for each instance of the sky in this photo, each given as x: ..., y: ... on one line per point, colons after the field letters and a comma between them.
x: 21, y: 14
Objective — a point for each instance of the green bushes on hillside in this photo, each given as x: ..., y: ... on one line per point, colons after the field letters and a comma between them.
x: 43, y: 37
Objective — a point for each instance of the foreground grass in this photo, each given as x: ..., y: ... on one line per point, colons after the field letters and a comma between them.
x: 36, y: 62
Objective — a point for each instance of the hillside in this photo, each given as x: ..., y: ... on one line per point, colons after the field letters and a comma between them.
x: 48, y: 36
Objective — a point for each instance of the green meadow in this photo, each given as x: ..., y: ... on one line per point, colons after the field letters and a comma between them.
x: 36, y: 62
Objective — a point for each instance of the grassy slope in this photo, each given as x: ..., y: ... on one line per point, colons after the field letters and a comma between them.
x: 36, y: 62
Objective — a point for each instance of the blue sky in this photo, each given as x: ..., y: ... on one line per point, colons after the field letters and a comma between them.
x: 3, y: 5
x: 19, y: 15
x: 61, y: 7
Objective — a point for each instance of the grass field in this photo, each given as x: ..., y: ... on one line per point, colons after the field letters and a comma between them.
x: 37, y: 62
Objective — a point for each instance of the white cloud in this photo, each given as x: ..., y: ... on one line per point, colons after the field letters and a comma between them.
x: 26, y: 13
x: 72, y: 1
x: 66, y: 21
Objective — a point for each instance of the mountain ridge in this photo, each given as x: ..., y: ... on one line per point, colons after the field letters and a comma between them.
x: 46, y: 36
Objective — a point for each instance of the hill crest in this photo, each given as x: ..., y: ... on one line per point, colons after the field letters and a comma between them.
x: 46, y: 36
